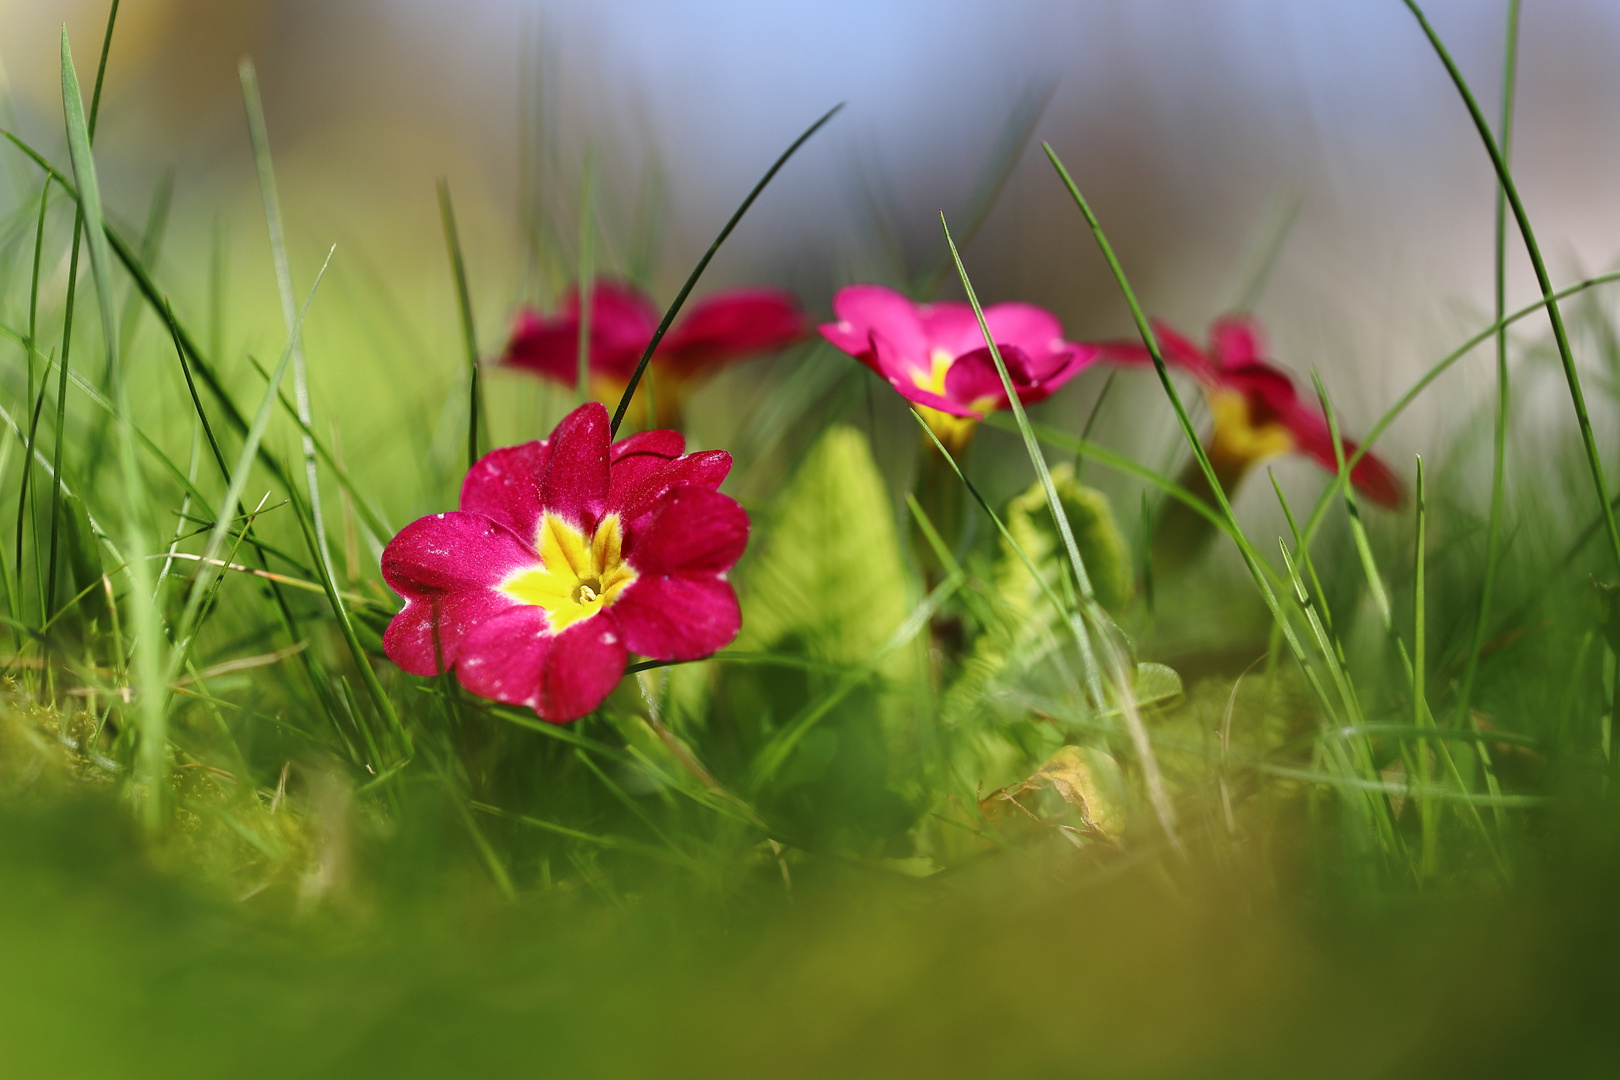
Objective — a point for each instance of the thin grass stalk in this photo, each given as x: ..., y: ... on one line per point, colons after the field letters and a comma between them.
x: 259, y: 134
x: 1428, y: 813
x: 1251, y: 557
x: 1088, y: 608
x: 67, y: 318
x: 1566, y: 354
x: 1352, y: 506
x: 1313, y: 523
x: 24, y: 504
x: 469, y: 329
x: 992, y: 180
x: 150, y: 643
x: 585, y: 279
x: 1493, y: 530
x: 239, y: 476
x: 217, y: 271
x: 703, y: 264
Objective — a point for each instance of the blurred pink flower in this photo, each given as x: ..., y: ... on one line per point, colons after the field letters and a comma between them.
x: 935, y: 355
x: 716, y: 330
x: 1256, y: 409
x: 567, y: 555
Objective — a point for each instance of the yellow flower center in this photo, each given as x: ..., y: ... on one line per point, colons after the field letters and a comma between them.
x: 952, y: 430
x: 576, y: 577
x: 934, y: 380
x: 1237, y: 441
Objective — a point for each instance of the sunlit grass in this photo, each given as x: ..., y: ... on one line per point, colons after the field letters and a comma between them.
x: 966, y: 805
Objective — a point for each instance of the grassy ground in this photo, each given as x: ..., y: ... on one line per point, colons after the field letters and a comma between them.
x: 1335, y: 803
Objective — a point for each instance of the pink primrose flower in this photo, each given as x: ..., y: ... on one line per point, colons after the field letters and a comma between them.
x: 716, y: 330
x: 1257, y: 411
x: 935, y: 355
x: 567, y: 555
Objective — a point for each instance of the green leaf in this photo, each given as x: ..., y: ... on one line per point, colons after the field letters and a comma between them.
x: 833, y: 582
x: 1103, y: 549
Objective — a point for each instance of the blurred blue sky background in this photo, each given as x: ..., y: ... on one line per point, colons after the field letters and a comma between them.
x: 1193, y: 124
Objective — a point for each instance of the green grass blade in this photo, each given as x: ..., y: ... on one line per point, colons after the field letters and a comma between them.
x: 1358, y: 530
x: 1428, y: 378
x: 1493, y: 529
x: 260, y: 137
x: 1566, y: 354
x: 1251, y: 557
x: 703, y: 264
x: 239, y: 476
x: 150, y: 643
x: 585, y: 279
x: 1427, y: 811
x: 476, y: 413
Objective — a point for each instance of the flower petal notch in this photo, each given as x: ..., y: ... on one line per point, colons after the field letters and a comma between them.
x: 726, y: 327
x: 935, y: 356
x: 568, y: 555
x: 1257, y: 411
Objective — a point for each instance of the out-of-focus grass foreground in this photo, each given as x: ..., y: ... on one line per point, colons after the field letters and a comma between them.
x: 1038, y: 752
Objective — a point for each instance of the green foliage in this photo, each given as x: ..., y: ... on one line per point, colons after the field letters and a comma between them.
x: 831, y: 576
x: 1102, y: 547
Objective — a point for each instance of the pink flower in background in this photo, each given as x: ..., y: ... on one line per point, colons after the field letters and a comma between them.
x: 1256, y: 409
x: 716, y: 330
x: 567, y: 555
x: 935, y: 355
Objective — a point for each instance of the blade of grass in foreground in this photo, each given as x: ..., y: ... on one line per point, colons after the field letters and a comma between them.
x: 1566, y: 355
x: 703, y: 264
x: 1088, y: 608
x: 1427, y: 379
x: 1251, y: 557
x: 260, y: 138
x: 239, y: 477
x: 469, y: 331
x: 1493, y: 529
x: 143, y: 280
x: 150, y: 642
x: 585, y: 280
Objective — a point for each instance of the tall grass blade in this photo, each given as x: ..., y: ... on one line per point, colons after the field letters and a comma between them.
x: 469, y: 330
x: 1566, y: 354
x: 703, y: 264
x: 585, y: 278
x: 239, y: 476
x: 1251, y: 557
x: 150, y: 643
x: 1493, y: 529
x: 260, y: 137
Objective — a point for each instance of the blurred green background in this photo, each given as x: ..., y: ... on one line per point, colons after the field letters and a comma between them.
x: 1310, y: 153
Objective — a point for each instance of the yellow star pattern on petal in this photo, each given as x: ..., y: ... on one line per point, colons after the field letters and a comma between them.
x: 576, y: 577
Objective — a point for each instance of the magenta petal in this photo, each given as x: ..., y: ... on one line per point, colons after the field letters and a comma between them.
x: 561, y: 677
x: 575, y: 483
x: 1236, y: 340
x: 677, y: 617
x: 950, y: 327
x: 1033, y: 329
x: 505, y: 485
x: 639, y: 483
x: 544, y: 345
x: 452, y: 552
x: 445, y: 566
x: 1181, y: 352
x: 693, y: 531
x: 622, y: 325
x: 734, y: 324
x: 657, y: 443
x: 1050, y: 375
x: 974, y: 382
x: 427, y: 632
x: 865, y: 309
